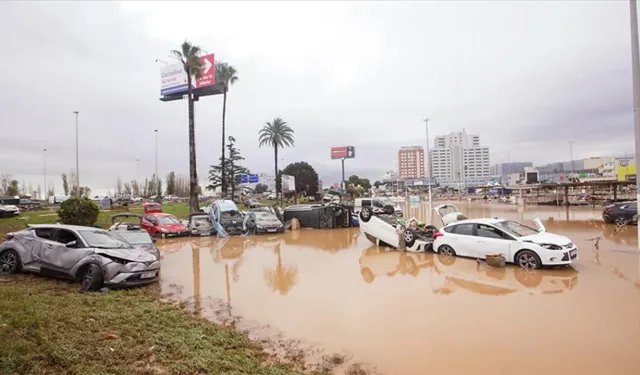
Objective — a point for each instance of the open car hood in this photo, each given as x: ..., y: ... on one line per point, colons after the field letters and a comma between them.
x: 132, y: 255
x: 449, y: 213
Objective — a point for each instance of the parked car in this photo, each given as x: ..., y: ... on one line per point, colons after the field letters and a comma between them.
x: 520, y: 244
x: 320, y: 216
x: 133, y: 233
x: 201, y: 225
x: 272, y: 196
x: 9, y: 210
x: 252, y: 203
x: 226, y: 217
x: 160, y: 223
x: 92, y: 256
x: 266, y: 222
x: 621, y: 213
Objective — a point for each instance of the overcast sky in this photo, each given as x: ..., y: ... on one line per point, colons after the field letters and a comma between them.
x: 528, y: 77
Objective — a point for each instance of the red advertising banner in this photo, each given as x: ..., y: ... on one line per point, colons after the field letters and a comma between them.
x: 343, y: 152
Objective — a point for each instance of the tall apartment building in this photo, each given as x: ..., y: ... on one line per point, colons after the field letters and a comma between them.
x: 411, y: 162
x: 458, y: 158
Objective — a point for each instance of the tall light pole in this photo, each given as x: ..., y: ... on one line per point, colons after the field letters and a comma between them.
x: 571, y: 154
x: 137, y: 168
x: 635, y: 68
x: 156, y: 172
x: 77, y: 159
x: 428, y: 159
x: 46, y: 198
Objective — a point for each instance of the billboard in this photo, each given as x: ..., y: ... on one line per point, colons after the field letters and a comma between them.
x: 343, y: 152
x: 268, y: 180
x: 173, y: 78
x: 249, y: 179
x: 288, y: 184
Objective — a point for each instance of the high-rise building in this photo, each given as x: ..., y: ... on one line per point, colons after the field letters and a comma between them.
x: 411, y: 162
x: 458, y: 159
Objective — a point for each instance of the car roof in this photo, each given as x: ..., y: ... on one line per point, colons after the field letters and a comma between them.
x: 63, y: 226
x: 489, y: 221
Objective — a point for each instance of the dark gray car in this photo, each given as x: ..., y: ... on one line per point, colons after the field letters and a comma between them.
x: 92, y: 256
x: 267, y: 222
x: 133, y: 233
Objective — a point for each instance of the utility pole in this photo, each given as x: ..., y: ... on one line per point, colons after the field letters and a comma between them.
x: 77, y: 158
x: 156, y: 170
x: 46, y: 193
x: 635, y: 68
x: 428, y: 159
x: 571, y: 154
x: 137, y: 169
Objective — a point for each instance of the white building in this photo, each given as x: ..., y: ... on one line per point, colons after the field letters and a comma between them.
x: 458, y: 159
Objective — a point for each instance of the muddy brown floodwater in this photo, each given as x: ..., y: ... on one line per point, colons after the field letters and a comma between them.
x: 408, y: 313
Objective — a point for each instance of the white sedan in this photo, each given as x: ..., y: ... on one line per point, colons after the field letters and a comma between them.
x: 520, y: 244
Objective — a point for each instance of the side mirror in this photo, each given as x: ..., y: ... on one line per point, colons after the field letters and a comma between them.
x: 154, y: 240
x: 70, y: 244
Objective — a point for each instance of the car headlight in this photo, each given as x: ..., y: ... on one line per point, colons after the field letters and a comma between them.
x: 550, y: 246
x: 259, y: 227
x: 164, y: 230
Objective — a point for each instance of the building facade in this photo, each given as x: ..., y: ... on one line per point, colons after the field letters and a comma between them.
x: 458, y: 159
x: 411, y: 163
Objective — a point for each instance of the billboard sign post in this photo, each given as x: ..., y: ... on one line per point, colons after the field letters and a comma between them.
x: 173, y: 78
x: 342, y: 153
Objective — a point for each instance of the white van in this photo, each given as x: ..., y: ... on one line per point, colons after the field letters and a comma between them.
x: 378, y: 205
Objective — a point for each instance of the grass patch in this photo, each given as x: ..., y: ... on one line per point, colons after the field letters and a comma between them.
x: 49, y: 216
x: 47, y: 327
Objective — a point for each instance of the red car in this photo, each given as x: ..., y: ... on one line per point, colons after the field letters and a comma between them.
x: 158, y: 223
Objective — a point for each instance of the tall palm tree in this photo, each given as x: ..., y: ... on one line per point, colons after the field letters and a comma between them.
x: 276, y: 134
x: 226, y: 75
x: 188, y: 55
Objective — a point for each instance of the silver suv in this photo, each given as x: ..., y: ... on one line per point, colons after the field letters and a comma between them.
x: 92, y: 256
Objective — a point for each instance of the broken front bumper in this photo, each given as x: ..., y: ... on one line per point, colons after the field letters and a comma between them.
x: 131, y: 274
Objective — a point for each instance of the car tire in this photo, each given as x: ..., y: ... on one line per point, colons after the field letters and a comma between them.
x: 528, y: 259
x: 409, y: 237
x: 10, y: 262
x: 365, y: 214
x: 446, y: 250
x: 620, y: 220
x: 91, y: 278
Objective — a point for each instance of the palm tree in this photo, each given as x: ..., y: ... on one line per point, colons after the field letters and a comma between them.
x: 188, y: 55
x: 276, y: 134
x: 226, y: 75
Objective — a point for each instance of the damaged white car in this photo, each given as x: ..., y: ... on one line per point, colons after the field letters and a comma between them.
x: 92, y: 256
x: 520, y: 244
x: 385, y: 228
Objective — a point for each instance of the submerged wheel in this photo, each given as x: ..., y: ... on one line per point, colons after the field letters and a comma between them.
x: 619, y: 220
x: 9, y: 262
x: 528, y: 259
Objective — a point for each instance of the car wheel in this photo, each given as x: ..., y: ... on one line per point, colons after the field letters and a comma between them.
x: 446, y: 250
x: 528, y: 259
x: 91, y: 278
x: 365, y: 214
x: 619, y: 220
x: 9, y: 262
x: 409, y: 237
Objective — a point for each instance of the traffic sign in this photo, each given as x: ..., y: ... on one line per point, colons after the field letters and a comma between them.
x: 249, y: 179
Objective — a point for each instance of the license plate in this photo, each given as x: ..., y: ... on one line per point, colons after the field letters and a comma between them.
x: 573, y: 253
x: 272, y: 230
x: 148, y: 275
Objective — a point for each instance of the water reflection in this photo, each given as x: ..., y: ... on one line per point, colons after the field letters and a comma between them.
x: 282, y: 277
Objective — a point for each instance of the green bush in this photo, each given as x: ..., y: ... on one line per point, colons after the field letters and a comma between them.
x: 79, y: 211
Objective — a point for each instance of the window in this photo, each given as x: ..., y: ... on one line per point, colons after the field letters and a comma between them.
x: 168, y: 220
x: 515, y: 228
x: 136, y: 238
x: 150, y: 219
x: 464, y: 229
x: 632, y: 206
x: 490, y: 232
x: 366, y: 202
x: 103, y: 239
x: 65, y: 236
x: 46, y: 233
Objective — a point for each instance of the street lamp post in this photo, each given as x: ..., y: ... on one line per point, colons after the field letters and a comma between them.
x: 428, y: 159
x: 571, y: 154
x: 77, y: 158
x: 46, y: 198
x: 137, y: 169
x: 156, y: 171
x: 635, y: 68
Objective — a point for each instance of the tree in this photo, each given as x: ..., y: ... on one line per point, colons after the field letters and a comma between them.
x: 305, y: 176
x: 118, y: 187
x: 226, y: 76
x: 13, y: 188
x: 260, y: 188
x: 357, y: 181
x: 232, y: 169
x: 39, y: 192
x: 65, y: 184
x: 5, y: 182
x: 23, y: 188
x: 171, y: 183
x: 78, y: 211
x: 135, y: 188
x: 189, y: 57
x: 127, y: 188
x: 276, y: 134
x: 377, y: 184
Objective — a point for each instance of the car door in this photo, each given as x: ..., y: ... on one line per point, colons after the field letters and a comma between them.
x: 492, y: 240
x: 37, y: 245
x: 62, y: 253
x: 630, y: 211
x: 463, y: 240
x: 149, y: 224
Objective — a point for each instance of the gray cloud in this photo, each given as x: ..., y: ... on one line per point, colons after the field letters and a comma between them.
x: 527, y: 76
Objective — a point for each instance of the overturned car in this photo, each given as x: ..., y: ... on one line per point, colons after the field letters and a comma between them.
x: 92, y: 256
x: 386, y: 228
x: 320, y: 216
x: 226, y: 218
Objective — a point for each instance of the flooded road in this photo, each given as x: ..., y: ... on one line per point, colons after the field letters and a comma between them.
x: 409, y: 313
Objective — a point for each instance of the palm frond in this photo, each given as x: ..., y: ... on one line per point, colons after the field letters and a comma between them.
x: 276, y: 134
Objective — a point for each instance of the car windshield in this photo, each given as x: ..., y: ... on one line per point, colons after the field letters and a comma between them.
x: 386, y: 201
x: 103, y: 239
x: 201, y: 221
x: 136, y: 238
x: 168, y: 220
x: 515, y: 228
x: 263, y: 215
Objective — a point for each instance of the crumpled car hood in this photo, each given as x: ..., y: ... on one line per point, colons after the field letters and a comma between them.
x: 132, y: 255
